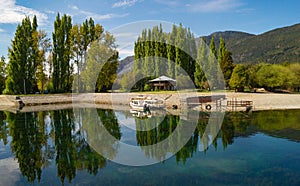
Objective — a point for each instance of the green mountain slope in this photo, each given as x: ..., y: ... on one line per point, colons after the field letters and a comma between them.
x: 231, y: 38
x: 276, y: 46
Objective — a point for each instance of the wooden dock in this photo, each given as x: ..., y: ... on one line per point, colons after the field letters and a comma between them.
x: 239, y: 103
x: 234, y: 104
x: 206, y: 101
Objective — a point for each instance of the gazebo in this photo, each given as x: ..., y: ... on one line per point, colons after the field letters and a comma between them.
x: 163, y: 83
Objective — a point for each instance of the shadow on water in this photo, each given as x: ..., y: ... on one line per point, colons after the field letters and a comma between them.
x: 40, y: 138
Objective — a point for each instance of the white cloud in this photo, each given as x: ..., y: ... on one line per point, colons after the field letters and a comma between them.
x: 215, y: 6
x: 2, y: 30
x: 12, y: 13
x: 75, y: 7
x: 124, y: 3
x: 108, y: 16
x: 95, y: 16
x: 124, y: 52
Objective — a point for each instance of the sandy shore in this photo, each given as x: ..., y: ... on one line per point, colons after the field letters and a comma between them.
x: 261, y: 101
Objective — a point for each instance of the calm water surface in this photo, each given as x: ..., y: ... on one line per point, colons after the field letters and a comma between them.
x: 54, y: 148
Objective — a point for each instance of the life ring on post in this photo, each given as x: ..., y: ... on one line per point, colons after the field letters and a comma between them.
x: 208, y: 107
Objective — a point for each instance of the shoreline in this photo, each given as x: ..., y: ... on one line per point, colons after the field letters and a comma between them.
x: 261, y: 101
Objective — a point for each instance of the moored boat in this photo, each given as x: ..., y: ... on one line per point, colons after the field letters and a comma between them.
x: 146, y: 102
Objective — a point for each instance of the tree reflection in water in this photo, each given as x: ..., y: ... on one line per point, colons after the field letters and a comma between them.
x: 28, y: 138
x: 100, y: 129
x: 39, y: 137
x: 3, y: 128
x: 34, y: 145
x: 170, y: 122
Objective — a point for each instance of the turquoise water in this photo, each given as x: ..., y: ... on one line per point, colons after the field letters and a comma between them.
x: 58, y: 147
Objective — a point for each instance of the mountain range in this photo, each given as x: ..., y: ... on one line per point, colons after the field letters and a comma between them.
x: 276, y: 46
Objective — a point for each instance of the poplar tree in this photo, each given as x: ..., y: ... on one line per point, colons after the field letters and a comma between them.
x: 192, y: 55
x: 62, y: 68
x: 157, y: 50
x: 23, y: 54
x: 179, y: 44
x: 77, y: 50
x: 201, y: 64
x: 225, y: 61
x: 162, y: 51
x: 171, y: 53
x: 137, y: 55
x: 44, y: 46
x: 178, y: 48
x: 2, y: 74
x: 212, y: 69
x: 149, y: 56
x: 212, y: 47
x: 83, y: 35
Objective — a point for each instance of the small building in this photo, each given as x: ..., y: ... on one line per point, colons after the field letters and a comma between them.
x: 162, y: 83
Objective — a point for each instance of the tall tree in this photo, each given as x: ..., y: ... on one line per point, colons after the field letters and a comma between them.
x: 77, y: 50
x: 179, y: 55
x: 177, y: 47
x: 102, y: 63
x: 201, y: 64
x: 83, y: 35
x: 62, y: 67
x: 171, y: 53
x: 239, y: 78
x: 212, y: 47
x: 225, y: 62
x: 2, y: 74
x: 23, y: 56
x: 44, y: 46
x: 295, y: 69
x: 212, y: 69
x: 192, y: 53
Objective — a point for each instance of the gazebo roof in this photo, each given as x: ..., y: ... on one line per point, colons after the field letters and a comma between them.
x: 162, y: 78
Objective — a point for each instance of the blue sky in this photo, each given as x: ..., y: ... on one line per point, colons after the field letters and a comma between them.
x: 202, y: 16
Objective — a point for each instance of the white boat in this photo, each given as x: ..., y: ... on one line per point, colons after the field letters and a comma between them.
x: 142, y: 103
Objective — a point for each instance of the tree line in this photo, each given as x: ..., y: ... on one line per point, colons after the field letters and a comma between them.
x: 159, y: 53
x: 272, y: 77
x: 35, y: 63
x: 83, y: 58
x: 180, y: 56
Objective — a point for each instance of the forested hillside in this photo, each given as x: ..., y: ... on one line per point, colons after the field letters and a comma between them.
x: 275, y: 46
x: 231, y: 38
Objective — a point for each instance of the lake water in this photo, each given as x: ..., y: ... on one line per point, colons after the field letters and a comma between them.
x: 72, y: 147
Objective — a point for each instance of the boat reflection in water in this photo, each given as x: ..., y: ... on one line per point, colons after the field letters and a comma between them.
x: 141, y: 113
